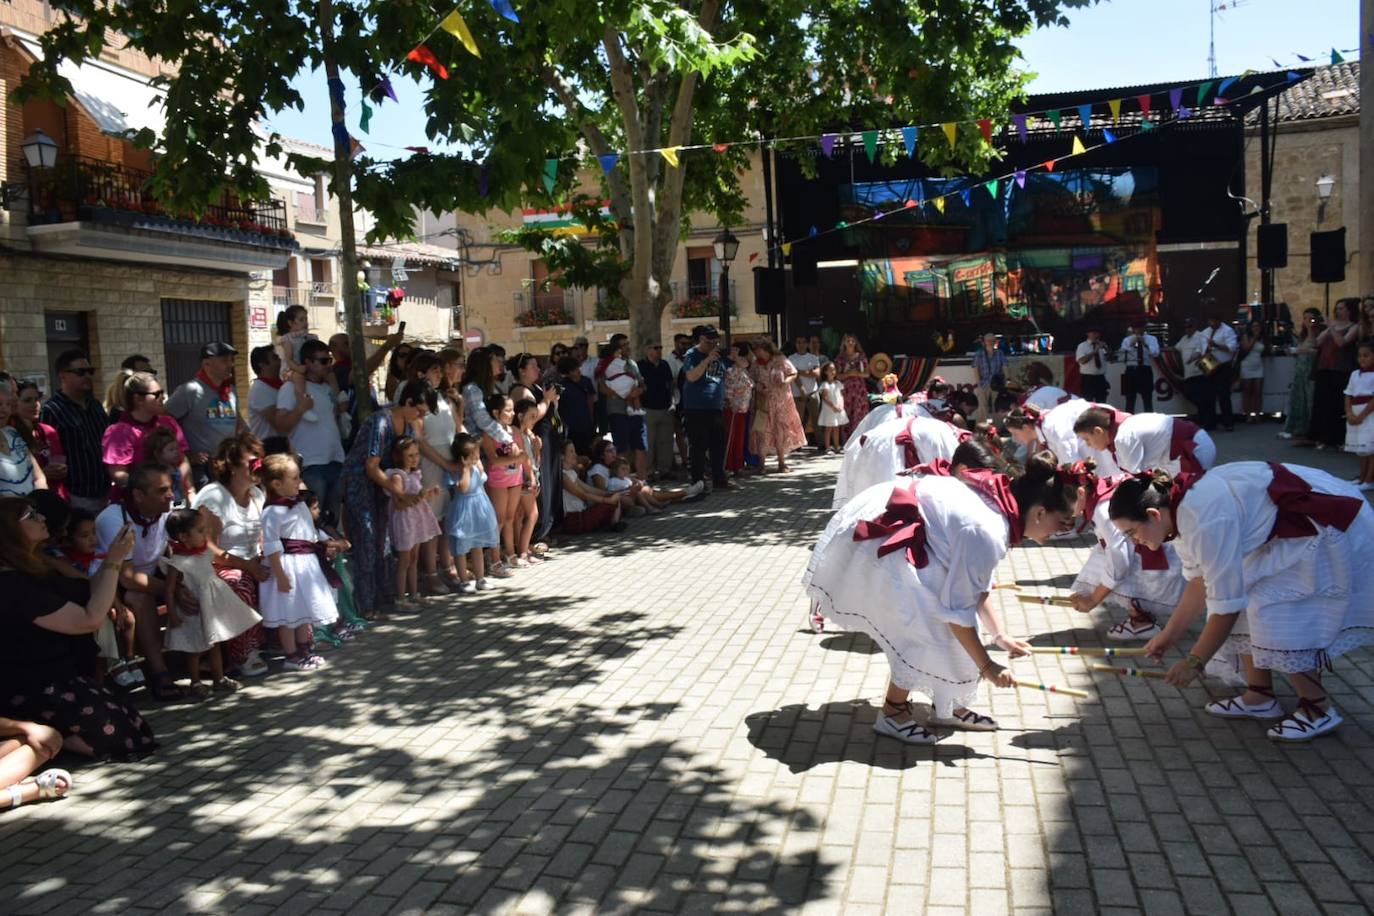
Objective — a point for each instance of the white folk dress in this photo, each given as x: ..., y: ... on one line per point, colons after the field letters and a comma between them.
x: 1360, y: 439
x: 876, y: 417
x: 221, y: 616
x: 1056, y: 431
x: 905, y: 610
x: 1048, y: 397
x: 1115, y: 563
x: 877, y: 456
x: 1144, y: 441
x: 311, y: 600
x: 1301, y: 600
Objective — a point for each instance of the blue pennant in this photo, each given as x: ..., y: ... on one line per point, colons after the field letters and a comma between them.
x: 608, y: 161
x: 504, y: 8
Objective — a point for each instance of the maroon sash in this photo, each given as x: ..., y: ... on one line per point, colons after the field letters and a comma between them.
x: 997, y: 488
x: 900, y: 526
x: 1302, y: 509
x: 295, y: 546
x: 1182, y: 446
x: 1357, y: 399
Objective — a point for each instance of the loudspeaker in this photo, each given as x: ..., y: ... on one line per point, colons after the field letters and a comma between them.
x: 770, y: 291
x: 1272, y: 241
x: 803, y: 269
x: 1328, y: 256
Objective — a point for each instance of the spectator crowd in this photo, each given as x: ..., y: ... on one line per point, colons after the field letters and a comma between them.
x: 167, y: 543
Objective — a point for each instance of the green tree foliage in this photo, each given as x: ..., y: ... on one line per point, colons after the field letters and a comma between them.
x: 574, y: 79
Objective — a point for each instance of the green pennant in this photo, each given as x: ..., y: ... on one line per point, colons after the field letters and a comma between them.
x: 1053, y: 115
x: 870, y: 138
x: 366, y: 118
x: 550, y: 174
x: 1147, y: 124
x: 1202, y: 91
x: 1336, y: 57
x: 992, y: 187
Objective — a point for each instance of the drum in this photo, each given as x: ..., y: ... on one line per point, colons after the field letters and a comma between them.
x: 1209, y: 364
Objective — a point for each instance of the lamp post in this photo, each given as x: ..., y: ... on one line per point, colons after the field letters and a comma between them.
x: 40, y: 152
x: 726, y: 247
x: 1325, y: 185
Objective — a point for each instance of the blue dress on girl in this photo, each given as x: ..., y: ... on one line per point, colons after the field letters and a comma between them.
x: 471, y: 520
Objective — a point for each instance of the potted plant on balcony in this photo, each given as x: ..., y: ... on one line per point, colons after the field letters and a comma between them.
x: 701, y: 307
x: 538, y: 317
x: 613, y: 308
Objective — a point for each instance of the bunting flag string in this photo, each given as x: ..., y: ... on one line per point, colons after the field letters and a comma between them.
x: 550, y: 174
x: 909, y: 135
x: 670, y: 153
x: 421, y: 54
x: 1114, y: 105
x: 951, y: 133
x: 453, y: 24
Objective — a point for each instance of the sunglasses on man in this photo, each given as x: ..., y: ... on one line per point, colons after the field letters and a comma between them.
x: 86, y: 371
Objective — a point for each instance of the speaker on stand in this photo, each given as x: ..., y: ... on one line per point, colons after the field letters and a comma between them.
x: 1328, y: 260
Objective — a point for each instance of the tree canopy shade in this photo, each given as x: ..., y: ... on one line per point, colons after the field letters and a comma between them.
x: 572, y: 80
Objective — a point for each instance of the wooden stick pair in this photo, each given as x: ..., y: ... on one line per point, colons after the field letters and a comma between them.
x: 1130, y: 672
x: 1053, y: 600
x: 1088, y: 651
x: 1052, y: 688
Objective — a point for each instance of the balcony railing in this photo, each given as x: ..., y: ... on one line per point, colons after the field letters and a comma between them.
x: 80, y: 189
x: 691, y: 300
x: 323, y: 288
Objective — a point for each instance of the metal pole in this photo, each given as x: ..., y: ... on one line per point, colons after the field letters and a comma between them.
x: 774, y: 251
x: 1266, y: 184
x: 725, y: 302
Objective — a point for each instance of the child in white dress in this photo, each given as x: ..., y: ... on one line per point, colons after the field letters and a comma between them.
x: 219, y: 615
x: 832, y: 418
x: 299, y: 595
x: 1359, y: 426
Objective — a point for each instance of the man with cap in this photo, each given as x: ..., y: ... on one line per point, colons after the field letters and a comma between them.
x: 207, y: 407
x: 703, y: 398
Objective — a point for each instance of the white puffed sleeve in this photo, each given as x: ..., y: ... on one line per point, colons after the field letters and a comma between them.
x: 1117, y: 549
x: 1210, y: 546
x: 273, y: 519
x: 975, y: 552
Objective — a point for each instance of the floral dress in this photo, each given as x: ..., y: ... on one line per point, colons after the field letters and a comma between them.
x: 855, y: 389
x: 1299, y: 419
x: 365, y: 513
x: 739, y: 398
x: 777, y: 428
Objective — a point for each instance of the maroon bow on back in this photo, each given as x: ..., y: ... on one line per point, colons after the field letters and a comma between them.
x: 1301, y: 508
x: 1182, y: 446
x: 900, y: 526
x: 940, y: 467
x: 996, y: 487
x: 908, y: 446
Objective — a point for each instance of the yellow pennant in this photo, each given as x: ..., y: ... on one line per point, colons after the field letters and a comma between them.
x: 1078, y: 148
x: 951, y: 131
x: 939, y: 204
x: 453, y: 24
x: 1115, y: 106
x: 786, y: 249
x: 670, y: 153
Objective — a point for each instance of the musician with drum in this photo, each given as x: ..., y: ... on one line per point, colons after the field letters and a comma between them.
x: 1216, y: 360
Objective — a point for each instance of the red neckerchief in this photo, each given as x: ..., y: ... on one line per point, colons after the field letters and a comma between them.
x: 1177, y: 490
x: 224, y: 388
x: 1151, y: 558
x: 81, y: 561
x: 901, y: 527
x: 273, y: 383
x: 180, y: 550
x: 133, y: 515
x: 1302, y: 509
x: 287, y: 502
x: 996, y: 488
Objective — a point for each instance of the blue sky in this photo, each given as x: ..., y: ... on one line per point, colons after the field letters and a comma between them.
x: 1119, y: 43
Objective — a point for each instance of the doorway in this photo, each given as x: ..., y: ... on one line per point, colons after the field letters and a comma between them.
x: 64, y: 331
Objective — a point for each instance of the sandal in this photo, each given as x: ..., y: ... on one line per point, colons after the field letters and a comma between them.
x: 199, y: 690
x: 53, y: 783
x: 226, y: 685
x: 164, y: 689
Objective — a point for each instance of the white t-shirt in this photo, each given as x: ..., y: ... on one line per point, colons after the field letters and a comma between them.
x: 618, y: 484
x: 589, y: 368
x: 261, y: 398
x: 805, y: 385
x: 16, y: 468
x: 1088, y: 368
x: 148, y: 547
x: 242, y: 525
x: 598, y: 470
x: 571, y: 501
x: 316, y: 441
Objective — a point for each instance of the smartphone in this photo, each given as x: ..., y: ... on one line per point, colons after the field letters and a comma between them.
x: 401, y: 328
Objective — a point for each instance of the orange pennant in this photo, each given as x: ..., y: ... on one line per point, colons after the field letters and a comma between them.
x: 421, y: 54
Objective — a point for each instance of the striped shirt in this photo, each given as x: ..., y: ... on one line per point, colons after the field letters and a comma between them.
x: 81, y: 430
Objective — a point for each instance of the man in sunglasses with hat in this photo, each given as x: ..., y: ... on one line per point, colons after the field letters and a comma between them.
x: 207, y: 407
x: 80, y: 421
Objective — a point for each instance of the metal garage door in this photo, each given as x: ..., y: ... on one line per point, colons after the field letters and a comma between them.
x: 188, y: 325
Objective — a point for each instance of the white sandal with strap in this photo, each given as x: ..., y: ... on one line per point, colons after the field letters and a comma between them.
x: 968, y: 721
x: 54, y: 783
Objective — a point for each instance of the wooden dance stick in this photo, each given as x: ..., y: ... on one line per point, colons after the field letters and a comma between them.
x: 1052, y: 688
x: 1006, y: 588
x: 1130, y: 672
x: 1081, y: 650
x: 1054, y: 600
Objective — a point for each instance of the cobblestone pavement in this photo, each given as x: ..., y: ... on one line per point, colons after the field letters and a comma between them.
x: 643, y: 725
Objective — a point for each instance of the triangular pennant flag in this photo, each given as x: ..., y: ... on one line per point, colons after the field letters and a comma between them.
x: 366, y: 118
x: 453, y: 24
x: 355, y: 149
x: 1114, y: 106
x: 1303, y: 57
x: 550, y: 174
x: 1054, y: 115
x: 608, y: 161
x: 421, y: 150
x: 1255, y: 89
x: 1108, y: 135
x: 670, y: 153
x: 1020, y: 121
x: 385, y: 87
x: 504, y: 8
x: 1147, y: 125
x: 1085, y: 115
x: 1078, y: 148
x: 828, y: 144
x: 992, y: 187
x: 1225, y: 84
x: 1202, y: 90
x: 753, y: 257
x: 421, y: 54
x: 1049, y: 165
x: 909, y: 139
x: 842, y: 225
x: 1175, y: 98
x: 720, y: 147
x: 1020, y: 178
x: 1293, y: 77
x: 1336, y: 57
x: 985, y: 126
x: 813, y: 232
x: 786, y: 249
x: 1145, y: 101
x: 911, y: 203
x: 965, y: 196
x: 939, y: 203
x: 951, y: 131
x: 1184, y: 111
x: 870, y: 138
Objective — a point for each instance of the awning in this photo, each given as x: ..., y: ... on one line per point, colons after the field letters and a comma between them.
x: 118, y: 101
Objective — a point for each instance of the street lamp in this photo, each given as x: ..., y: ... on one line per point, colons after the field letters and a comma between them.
x: 726, y: 247
x: 1325, y: 185
x: 40, y: 152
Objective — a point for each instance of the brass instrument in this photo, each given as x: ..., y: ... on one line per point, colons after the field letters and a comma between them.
x: 1209, y: 363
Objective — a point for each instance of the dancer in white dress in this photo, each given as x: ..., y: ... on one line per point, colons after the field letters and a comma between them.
x: 1045, y: 398
x: 910, y: 562
x: 1147, y: 441
x: 1143, y: 581
x: 897, y: 444
x: 1053, y: 430
x: 1277, y: 557
x: 299, y: 595
x: 219, y: 614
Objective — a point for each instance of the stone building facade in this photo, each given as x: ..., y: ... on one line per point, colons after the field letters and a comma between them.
x: 1318, y: 134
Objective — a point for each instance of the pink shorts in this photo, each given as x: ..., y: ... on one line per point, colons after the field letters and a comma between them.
x: 503, y: 476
